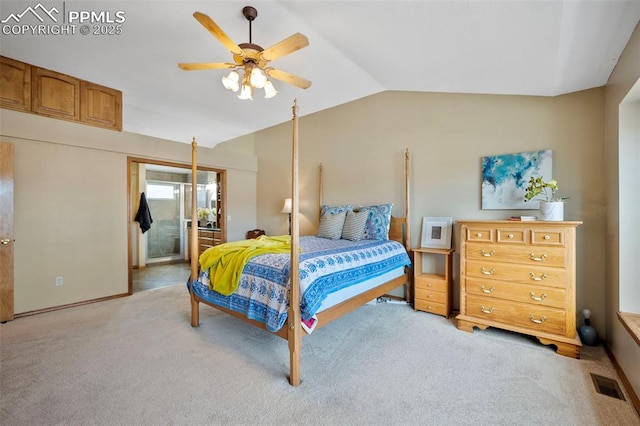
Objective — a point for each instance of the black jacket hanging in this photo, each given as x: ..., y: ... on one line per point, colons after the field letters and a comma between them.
x: 143, y: 217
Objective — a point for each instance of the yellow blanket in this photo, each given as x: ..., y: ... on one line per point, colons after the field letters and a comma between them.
x: 226, y: 261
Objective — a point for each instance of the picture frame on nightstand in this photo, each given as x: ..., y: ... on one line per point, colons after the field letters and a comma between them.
x: 436, y: 232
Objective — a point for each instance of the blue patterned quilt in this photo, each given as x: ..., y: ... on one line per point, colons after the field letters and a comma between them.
x: 326, y: 266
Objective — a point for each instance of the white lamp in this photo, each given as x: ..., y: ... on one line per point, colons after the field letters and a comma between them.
x: 230, y: 82
x: 269, y: 90
x: 286, y: 208
x: 246, y: 92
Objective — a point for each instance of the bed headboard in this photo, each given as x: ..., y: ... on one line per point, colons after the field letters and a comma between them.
x: 397, y: 230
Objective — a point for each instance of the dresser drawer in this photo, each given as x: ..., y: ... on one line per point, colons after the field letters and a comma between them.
x: 431, y: 296
x: 205, y: 234
x: 529, y: 254
x: 511, y: 236
x: 539, y: 318
x: 540, y: 275
x: 480, y: 233
x: 433, y: 307
x: 536, y: 295
x: 553, y: 237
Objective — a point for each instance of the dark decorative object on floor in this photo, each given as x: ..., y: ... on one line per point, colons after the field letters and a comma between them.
x: 588, y: 334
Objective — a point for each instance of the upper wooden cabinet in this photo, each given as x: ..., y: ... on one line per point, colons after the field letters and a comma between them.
x: 15, y: 84
x: 55, y: 95
x: 29, y: 88
x: 100, y: 106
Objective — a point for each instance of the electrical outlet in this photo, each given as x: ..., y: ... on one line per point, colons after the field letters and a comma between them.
x: 59, y: 281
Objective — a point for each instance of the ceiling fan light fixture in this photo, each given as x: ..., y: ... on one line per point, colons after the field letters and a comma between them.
x: 269, y: 90
x: 230, y: 82
x: 246, y: 92
x: 257, y: 78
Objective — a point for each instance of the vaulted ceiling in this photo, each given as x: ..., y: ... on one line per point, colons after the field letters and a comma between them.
x: 357, y: 48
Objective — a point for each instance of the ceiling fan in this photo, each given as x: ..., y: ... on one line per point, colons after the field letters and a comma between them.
x: 251, y: 59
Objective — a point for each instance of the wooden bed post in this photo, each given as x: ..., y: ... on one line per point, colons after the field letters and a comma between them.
x: 320, y: 185
x: 195, y: 312
x: 407, y: 223
x: 295, y: 329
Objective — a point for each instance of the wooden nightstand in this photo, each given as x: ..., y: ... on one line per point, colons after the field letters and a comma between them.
x: 432, y: 290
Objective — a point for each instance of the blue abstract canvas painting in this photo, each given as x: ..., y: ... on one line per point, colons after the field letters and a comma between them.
x: 505, y: 178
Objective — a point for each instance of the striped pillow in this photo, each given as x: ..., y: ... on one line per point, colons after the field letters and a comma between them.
x: 331, y: 225
x: 354, y: 225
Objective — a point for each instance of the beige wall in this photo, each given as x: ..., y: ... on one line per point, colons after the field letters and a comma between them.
x: 625, y: 75
x: 361, y: 146
x: 70, y: 216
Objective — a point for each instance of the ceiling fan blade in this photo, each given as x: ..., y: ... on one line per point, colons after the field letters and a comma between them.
x: 284, y: 47
x: 205, y: 66
x: 288, y: 78
x: 217, y: 32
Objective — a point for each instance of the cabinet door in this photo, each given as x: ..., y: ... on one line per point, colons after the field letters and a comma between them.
x: 15, y: 84
x: 100, y: 106
x: 55, y: 95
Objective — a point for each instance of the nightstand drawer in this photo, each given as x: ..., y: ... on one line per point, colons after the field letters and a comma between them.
x: 433, y: 307
x: 431, y: 296
x: 430, y: 282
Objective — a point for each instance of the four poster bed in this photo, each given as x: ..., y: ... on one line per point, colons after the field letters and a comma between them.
x: 305, y: 282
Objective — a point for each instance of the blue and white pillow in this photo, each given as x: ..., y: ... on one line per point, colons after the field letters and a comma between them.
x: 334, y: 209
x: 379, y: 221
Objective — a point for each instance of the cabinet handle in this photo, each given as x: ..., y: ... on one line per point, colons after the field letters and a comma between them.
x: 487, y: 311
x: 533, y: 257
x: 537, y: 321
x: 479, y: 234
x: 540, y: 278
x: 546, y: 237
x: 484, y: 290
x: 542, y: 296
x: 487, y: 272
x: 510, y: 236
x: 489, y: 254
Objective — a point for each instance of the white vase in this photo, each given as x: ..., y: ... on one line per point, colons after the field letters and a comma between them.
x: 552, y: 210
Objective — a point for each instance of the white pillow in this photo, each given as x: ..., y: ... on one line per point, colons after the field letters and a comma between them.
x: 331, y: 225
x: 354, y: 224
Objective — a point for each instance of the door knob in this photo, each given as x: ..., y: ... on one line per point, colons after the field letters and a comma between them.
x: 5, y: 241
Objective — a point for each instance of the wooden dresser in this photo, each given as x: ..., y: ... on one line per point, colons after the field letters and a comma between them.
x: 520, y: 276
x: 207, y: 237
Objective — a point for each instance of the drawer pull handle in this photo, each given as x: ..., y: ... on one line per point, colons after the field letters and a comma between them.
x: 540, y: 278
x: 489, y: 254
x: 479, y: 234
x: 533, y: 257
x: 484, y: 290
x: 546, y: 237
x: 542, y: 296
x: 487, y: 311
x: 487, y: 272
x: 510, y: 236
x: 537, y: 321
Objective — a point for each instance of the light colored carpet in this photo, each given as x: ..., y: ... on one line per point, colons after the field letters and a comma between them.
x: 137, y: 361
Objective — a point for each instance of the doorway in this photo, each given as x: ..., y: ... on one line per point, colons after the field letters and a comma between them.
x: 160, y: 255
